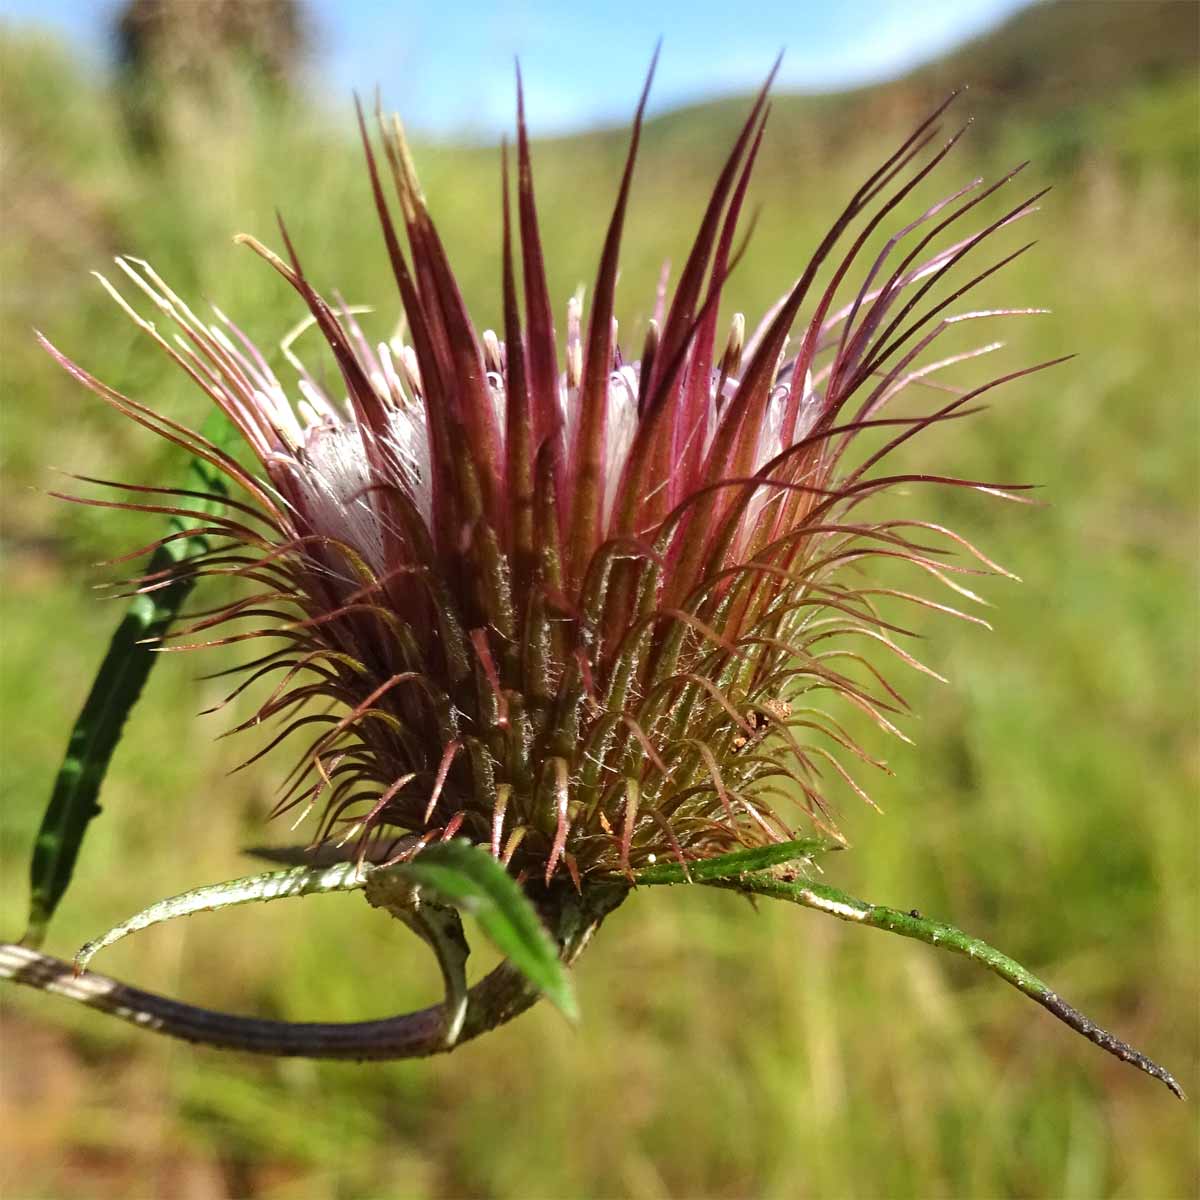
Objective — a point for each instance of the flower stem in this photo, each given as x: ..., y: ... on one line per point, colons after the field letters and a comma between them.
x: 499, y: 997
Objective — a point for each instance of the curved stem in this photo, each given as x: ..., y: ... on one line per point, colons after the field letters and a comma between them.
x: 936, y: 933
x: 273, y: 885
x: 499, y: 997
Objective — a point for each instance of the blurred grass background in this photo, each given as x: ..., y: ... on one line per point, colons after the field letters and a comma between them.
x: 1048, y: 805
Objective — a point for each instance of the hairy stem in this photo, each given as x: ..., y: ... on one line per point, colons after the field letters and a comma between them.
x: 947, y: 937
x: 499, y: 997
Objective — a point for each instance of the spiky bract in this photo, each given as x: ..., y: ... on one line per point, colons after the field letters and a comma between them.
x: 585, y: 616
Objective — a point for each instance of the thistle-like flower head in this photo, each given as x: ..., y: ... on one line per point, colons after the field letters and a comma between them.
x: 581, y: 606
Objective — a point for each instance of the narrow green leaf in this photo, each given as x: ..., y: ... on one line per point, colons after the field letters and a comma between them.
x: 737, y: 862
x: 913, y: 924
x: 115, y: 689
x: 470, y: 879
x: 271, y: 885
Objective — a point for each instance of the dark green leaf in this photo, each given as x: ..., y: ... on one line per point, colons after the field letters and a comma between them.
x: 97, y: 730
x: 470, y: 879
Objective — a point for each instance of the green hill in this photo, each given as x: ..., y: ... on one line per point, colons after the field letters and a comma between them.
x: 1103, y: 77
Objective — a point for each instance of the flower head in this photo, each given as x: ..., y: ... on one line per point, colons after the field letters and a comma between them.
x: 580, y: 606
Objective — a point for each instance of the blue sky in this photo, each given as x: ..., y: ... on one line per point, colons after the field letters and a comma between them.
x: 447, y: 67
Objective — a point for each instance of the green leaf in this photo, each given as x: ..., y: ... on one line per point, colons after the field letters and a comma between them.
x: 115, y: 689
x: 469, y: 878
x: 737, y: 862
x: 913, y: 924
